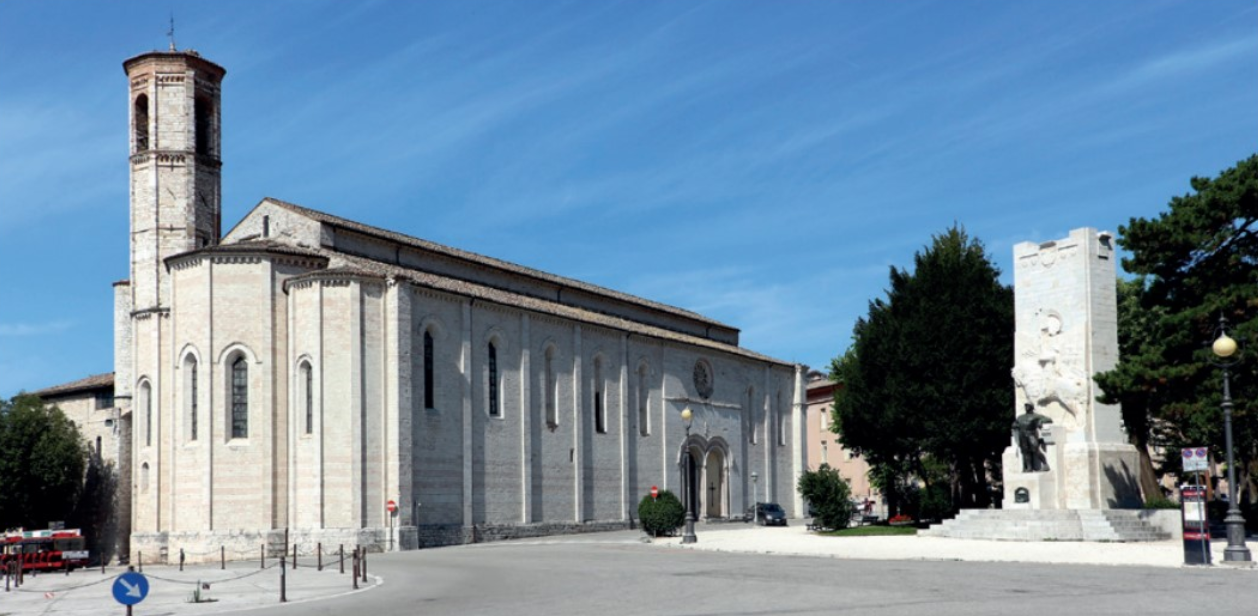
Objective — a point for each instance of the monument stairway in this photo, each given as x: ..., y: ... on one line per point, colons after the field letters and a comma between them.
x: 1119, y: 525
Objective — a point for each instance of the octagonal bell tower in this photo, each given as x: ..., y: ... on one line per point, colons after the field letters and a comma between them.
x: 176, y: 183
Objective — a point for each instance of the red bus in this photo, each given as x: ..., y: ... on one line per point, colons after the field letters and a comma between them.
x: 44, y: 549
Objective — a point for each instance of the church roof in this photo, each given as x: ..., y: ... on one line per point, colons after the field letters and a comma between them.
x: 252, y: 246
x: 401, y: 238
x: 356, y: 266
x: 96, y: 381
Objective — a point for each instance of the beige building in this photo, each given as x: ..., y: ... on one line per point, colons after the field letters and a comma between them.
x: 823, y: 443
x: 303, y: 371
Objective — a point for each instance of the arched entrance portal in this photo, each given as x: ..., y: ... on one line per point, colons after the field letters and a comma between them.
x: 704, y: 469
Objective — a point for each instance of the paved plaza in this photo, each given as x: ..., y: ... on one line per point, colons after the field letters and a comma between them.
x: 732, y: 569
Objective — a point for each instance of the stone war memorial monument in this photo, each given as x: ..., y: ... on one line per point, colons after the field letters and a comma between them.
x: 1069, y: 472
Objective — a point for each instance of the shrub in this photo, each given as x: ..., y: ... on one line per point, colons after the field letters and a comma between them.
x: 661, y: 516
x: 1160, y: 502
x: 829, y: 497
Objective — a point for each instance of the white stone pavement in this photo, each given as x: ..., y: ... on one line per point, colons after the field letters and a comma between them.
x: 796, y: 540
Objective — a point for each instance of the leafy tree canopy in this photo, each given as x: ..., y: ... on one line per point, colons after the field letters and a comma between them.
x: 829, y: 497
x: 927, y: 374
x: 1195, y: 262
x: 42, y: 461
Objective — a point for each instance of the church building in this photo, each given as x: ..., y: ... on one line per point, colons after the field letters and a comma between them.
x: 355, y: 385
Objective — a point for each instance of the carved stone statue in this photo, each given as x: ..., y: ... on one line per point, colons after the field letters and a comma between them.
x: 1031, y: 443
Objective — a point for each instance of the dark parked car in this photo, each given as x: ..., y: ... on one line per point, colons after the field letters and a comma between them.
x: 769, y: 514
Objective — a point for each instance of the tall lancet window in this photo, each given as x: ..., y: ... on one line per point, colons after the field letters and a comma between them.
x: 644, y: 416
x: 550, y: 389
x: 429, y: 393
x: 307, y: 378
x: 191, y: 367
x: 240, y: 398
x: 600, y: 416
x: 141, y: 118
x: 204, y: 111
x: 494, y: 409
x: 146, y: 403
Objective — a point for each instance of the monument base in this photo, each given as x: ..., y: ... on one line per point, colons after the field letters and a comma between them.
x: 1081, y: 475
x: 1110, y: 525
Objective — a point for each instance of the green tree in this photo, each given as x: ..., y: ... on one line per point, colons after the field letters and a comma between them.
x: 829, y: 496
x: 926, y: 379
x: 42, y: 461
x: 1197, y: 261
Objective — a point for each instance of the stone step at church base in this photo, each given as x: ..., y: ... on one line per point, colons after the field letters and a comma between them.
x: 1119, y: 525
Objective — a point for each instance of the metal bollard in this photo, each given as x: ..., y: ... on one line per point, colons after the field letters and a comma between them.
x: 102, y: 564
x: 139, y: 560
x: 341, y: 552
x: 222, y: 557
x: 364, y: 565
x: 262, y: 557
x: 181, y: 559
x: 294, y: 557
x: 319, y: 551
x: 355, y: 576
x: 283, y: 582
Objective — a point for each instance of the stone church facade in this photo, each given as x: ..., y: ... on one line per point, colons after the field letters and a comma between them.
x: 302, y: 370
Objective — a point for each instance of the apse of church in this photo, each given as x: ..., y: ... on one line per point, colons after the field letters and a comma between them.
x: 302, y: 370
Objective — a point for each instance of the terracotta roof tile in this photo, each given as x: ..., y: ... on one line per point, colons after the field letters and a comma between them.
x: 96, y: 381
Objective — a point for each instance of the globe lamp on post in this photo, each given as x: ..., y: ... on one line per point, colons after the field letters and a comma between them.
x: 687, y: 470
x: 1224, y: 348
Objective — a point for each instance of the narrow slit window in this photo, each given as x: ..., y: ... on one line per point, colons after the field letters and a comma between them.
x: 308, y: 378
x: 141, y: 119
x: 600, y: 417
x: 146, y: 399
x: 192, y: 400
x: 429, y: 393
x: 644, y: 416
x: 494, y: 411
x: 240, y: 398
x: 549, y: 389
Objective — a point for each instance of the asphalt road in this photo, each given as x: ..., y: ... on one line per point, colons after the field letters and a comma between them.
x: 605, y: 576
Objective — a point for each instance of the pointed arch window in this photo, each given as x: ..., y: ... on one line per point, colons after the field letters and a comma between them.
x: 240, y: 398
x: 204, y: 111
x: 600, y: 414
x: 644, y: 415
x: 751, y: 415
x: 494, y: 408
x: 429, y: 388
x: 549, y: 389
x: 190, y: 394
x: 307, y: 380
x: 141, y: 119
x: 780, y: 411
x: 146, y: 403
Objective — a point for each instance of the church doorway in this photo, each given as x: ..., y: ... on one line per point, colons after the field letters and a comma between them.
x: 714, y: 469
x: 693, y: 478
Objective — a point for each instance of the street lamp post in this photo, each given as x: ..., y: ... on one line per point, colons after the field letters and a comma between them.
x: 755, y: 497
x: 688, y: 469
x: 1236, y: 552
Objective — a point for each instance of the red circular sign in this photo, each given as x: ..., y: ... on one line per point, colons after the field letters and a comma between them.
x: 655, y: 492
x: 391, y: 506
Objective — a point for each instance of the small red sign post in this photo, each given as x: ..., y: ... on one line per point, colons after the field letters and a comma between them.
x: 391, y: 506
x: 655, y: 492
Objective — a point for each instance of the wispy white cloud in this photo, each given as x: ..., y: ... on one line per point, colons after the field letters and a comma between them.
x: 34, y: 329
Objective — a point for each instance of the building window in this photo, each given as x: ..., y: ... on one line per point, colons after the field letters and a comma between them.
x: 104, y: 400
x: 240, y: 398
x: 190, y: 365
x: 825, y: 420
x: 307, y: 377
x: 494, y: 410
x: 644, y: 415
x: 751, y: 415
x: 550, y: 389
x: 204, y: 111
x: 144, y: 477
x: 146, y: 403
x: 600, y: 416
x: 141, y: 119
x: 781, y: 418
x: 825, y: 453
x: 429, y: 393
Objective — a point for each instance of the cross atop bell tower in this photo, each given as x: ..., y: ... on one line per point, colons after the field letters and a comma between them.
x: 176, y: 183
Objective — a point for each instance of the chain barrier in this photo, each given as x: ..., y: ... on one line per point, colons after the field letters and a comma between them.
x: 213, y: 581
x: 62, y: 590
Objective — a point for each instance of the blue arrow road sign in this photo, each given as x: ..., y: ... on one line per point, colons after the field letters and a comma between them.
x: 131, y: 588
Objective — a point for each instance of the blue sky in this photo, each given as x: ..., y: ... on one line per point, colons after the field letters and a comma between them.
x: 763, y: 163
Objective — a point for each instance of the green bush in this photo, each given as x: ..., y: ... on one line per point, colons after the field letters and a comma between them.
x: 1160, y: 502
x: 661, y: 516
x: 829, y: 497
